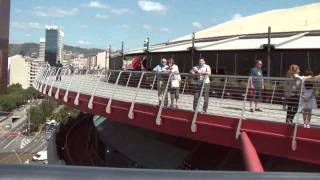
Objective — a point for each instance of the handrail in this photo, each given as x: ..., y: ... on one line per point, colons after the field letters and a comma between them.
x: 243, y: 109
x: 38, y: 76
x: 44, y: 79
x: 195, y: 115
x: 64, y: 74
x: 158, y: 119
x: 76, y: 100
x: 56, y: 76
x: 45, y: 87
x: 65, y: 98
x: 131, y: 114
x: 90, y: 103
x: 294, y: 136
x: 108, y: 108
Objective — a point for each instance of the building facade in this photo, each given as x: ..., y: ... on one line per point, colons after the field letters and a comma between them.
x: 54, y: 45
x: 19, y: 71
x: 42, y: 47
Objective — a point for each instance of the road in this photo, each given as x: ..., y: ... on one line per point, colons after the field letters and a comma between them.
x: 15, y: 146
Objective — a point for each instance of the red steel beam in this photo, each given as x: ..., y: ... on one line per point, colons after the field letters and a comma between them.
x: 250, y: 154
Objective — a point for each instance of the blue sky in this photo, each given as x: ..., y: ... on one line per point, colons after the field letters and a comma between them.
x: 100, y: 23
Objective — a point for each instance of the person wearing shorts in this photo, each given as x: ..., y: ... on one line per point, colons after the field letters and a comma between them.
x: 257, y: 85
x: 175, y: 83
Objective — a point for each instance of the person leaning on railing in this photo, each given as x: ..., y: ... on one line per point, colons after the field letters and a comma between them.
x: 175, y: 83
x: 293, y: 91
x: 161, y: 85
x: 202, y: 71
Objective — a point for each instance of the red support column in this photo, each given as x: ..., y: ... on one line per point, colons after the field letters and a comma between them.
x: 250, y: 154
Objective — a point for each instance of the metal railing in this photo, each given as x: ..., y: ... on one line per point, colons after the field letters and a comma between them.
x: 226, y: 96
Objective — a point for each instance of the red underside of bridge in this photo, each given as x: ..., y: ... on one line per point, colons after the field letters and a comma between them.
x: 269, y: 138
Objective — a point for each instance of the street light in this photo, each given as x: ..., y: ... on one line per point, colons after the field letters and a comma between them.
x: 146, y: 44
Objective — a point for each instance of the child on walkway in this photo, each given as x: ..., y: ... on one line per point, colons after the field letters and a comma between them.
x: 308, y: 101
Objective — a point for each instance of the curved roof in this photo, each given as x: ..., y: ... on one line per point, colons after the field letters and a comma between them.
x: 302, y: 18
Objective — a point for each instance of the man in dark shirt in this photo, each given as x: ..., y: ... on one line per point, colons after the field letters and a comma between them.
x: 256, y: 84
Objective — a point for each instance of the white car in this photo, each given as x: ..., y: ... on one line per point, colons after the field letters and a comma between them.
x: 40, y: 156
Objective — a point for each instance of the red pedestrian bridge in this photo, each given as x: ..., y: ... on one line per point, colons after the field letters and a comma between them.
x: 131, y: 98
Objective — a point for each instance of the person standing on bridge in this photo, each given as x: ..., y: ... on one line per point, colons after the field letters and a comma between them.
x: 161, y: 85
x: 293, y: 91
x: 203, y: 71
x: 257, y: 85
x: 175, y: 83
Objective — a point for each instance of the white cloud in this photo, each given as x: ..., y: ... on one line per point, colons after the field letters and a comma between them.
x: 36, y: 25
x: 124, y: 26
x: 121, y: 11
x: 54, y: 12
x: 28, y: 25
x: 147, y: 27
x: 197, y: 25
x: 151, y: 6
x: 164, y: 29
x: 98, y: 5
x: 236, y: 16
x: 82, y: 42
x: 102, y: 16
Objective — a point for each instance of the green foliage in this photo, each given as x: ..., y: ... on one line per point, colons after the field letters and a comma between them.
x: 16, y: 97
x: 64, y: 114
x: 39, y: 114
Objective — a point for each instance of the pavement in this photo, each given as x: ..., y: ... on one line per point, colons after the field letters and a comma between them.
x: 235, y: 108
x: 15, y: 145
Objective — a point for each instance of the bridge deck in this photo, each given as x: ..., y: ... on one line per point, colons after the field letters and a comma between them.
x: 217, y: 106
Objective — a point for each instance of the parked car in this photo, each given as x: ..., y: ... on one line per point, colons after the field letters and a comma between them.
x: 40, y: 156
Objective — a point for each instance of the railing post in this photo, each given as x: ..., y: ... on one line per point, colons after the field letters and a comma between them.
x: 34, y: 84
x: 294, y: 136
x: 42, y: 73
x: 274, y: 89
x: 154, y: 79
x: 128, y: 79
x: 131, y: 114
x: 184, y: 85
x: 44, y: 79
x: 50, y: 90
x: 158, y: 119
x: 195, y: 115
x: 38, y: 77
x: 224, y: 87
x: 56, y: 96
x: 90, y: 103
x: 65, y: 98
x: 109, y: 77
x: 223, y: 91
x: 44, y: 91
x: 108, y: 108
x: 76, y: 100
x: 243, y: 109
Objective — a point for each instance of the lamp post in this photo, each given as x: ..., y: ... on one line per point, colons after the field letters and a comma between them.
x: 146, y: 45
x: 192, y: 48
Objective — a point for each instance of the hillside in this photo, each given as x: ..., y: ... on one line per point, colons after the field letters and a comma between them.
x: 33, y: 48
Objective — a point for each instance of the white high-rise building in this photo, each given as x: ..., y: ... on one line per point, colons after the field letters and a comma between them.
x: 60, y: 55
x: 42, y: 48
x: 19, y: 71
